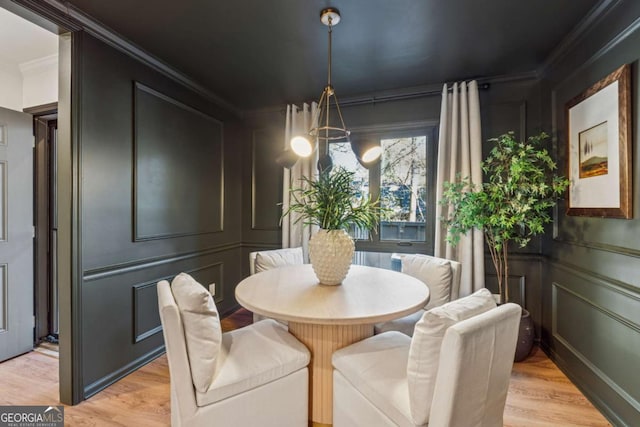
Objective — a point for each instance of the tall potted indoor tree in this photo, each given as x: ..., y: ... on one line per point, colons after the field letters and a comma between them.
x: 333, y: 203
x: 512, y: 205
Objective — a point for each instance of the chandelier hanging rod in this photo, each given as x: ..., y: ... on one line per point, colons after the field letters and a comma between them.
x: 323, y: 130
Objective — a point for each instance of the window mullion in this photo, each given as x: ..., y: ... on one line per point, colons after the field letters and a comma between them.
x: 374, y: 187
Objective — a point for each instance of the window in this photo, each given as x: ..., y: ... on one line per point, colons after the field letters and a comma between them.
x: 403, y: 187
x: 404, y: 181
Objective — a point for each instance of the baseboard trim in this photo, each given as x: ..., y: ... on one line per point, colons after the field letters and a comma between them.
x: 589, y: 392
x: 107, y: 380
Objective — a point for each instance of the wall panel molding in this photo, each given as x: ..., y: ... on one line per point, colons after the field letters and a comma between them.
x: 626, y: 289
x: 146, y: 319
x: 265, y: 175
x: 260, y: 245
x: 143, y: 325
x: 176, y: 148
x: 592, y: 303
x: 218, y: 278
x: 590, y: 317
x: 129, y: 267
x: 578, y: 354
x: 599, y: 246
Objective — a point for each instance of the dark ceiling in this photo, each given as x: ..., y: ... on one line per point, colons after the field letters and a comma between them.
x: 259, y: 53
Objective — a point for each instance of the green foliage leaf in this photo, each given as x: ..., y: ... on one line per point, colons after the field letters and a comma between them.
x: 332, y: 203
x: 513, y: 203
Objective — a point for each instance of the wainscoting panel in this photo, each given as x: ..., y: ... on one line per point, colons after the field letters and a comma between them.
x: 591, y: 319
x: 146, y: 319
x: 177, y: 154
x: 266, y: 180
x: 208, y: 275
x: 151, y: 191
x: 124, y: 311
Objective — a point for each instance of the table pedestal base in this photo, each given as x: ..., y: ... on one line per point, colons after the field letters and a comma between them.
x: 322, y: 341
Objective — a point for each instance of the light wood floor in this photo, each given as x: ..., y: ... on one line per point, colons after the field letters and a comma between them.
x: 539, y: 394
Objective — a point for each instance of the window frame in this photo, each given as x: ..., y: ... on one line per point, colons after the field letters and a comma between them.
x: 430, y: 131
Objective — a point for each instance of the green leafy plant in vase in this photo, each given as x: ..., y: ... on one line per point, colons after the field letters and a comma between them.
x: 513, y: 204
x: 334, y: 204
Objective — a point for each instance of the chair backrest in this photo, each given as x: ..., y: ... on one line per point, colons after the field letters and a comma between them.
x: 266, y: 260
x: 442, y: 276
x: 424, y: 351
x: 182, y: 391
x: 456, y: 269
x: 475, y: 365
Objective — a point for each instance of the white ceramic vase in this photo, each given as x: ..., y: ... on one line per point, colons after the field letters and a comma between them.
x: 331, y: 252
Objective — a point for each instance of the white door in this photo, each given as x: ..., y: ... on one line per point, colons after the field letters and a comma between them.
x: 16, y: 233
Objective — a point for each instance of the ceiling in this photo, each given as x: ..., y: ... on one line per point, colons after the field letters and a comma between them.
x: 256, y: 53
x: 28, y: 41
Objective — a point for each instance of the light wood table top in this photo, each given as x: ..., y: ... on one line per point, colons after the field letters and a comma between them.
x: 367, y: 295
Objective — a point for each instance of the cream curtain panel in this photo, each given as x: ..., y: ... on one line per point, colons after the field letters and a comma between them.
x: 460, y: 152
x: 298, y: 122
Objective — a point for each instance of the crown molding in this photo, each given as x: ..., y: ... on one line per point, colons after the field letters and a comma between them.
x: 434, y: 89
x: 38, y: 64
x: 584, y: 27
x: 97, y: 29
x: 509, y: 78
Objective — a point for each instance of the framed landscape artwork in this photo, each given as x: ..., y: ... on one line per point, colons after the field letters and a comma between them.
x: 599, y: 148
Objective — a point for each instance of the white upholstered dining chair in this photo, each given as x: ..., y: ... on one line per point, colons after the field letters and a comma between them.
x: 256, y: 375
x: 442, y: 277
x: 274, y: 258
x: 454, y: 372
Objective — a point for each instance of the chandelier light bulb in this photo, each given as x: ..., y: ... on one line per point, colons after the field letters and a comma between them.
x: 301, y: 146
x: 372, y: 154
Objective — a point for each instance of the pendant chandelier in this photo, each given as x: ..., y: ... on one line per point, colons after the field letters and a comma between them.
x: 323, y: 130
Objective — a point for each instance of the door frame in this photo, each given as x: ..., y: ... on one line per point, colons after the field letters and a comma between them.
x: 45, y: 119
x: 54, y: 16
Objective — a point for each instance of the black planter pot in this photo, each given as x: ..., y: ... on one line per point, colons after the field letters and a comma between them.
x: 525, y: 337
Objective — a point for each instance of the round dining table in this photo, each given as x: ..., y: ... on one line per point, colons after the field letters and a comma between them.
x: 326, y: 318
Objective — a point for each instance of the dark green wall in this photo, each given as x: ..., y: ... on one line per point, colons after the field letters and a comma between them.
x: 591, y: 291
x: 153, y: 155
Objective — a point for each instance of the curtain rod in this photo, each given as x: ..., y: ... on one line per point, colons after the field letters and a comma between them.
x: 403, y: 96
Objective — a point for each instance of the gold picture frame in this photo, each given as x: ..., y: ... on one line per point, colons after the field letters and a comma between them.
x: 598, y: 123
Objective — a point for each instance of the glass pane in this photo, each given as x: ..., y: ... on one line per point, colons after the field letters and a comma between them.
x: 386, y: 260
x: 343, y: 156
x: 403, y: 188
